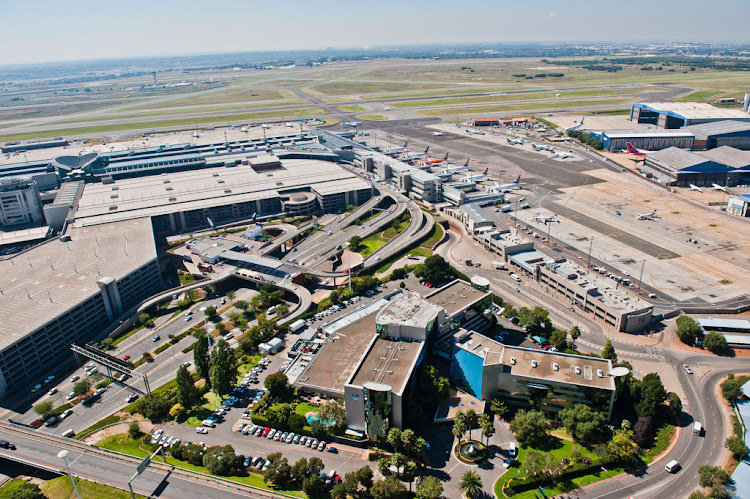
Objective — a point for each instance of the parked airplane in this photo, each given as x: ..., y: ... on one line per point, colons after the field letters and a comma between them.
x: 352, y: 123
x: 416, y: 155
x: 647, y: 216
x: 386, y: 108
x: 541, y: 148
x: 435, y: 161
x: 575, y: 127
x: 473, y: 178
x: 500, y: 189
x: 438, y: 134
x: 719, y: 188
x: 455, y: 169
x: 474, y: 132
x: 396, y: 150
x: 636, y: 152
x: 515, y: 141
x: 695, y: 188
x: 195, y: 134
x: 544, y: 219
x: 562, y: 155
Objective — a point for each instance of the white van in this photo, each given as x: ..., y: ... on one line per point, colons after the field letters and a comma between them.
x: 209, y: 423
x: 697, y: 428
x: 513, y: 451
x: 515, y: 277
x: 69, y: 433
x: 672, y: 466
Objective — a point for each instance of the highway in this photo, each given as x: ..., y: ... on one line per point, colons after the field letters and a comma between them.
x: 116, y: 469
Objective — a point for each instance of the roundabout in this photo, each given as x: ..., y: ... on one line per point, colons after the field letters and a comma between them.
x: 471, y: 452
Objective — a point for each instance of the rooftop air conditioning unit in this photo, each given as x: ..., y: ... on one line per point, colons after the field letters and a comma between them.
x: 533, y: 363
x: 555, y: 367
x: 513, y: 361
x: 578, y: 370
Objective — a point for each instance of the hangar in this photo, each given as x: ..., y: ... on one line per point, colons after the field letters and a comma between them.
x: 723, y: 166
x: 721, y: 133
x: 651, y: 139
x: 680, y: 114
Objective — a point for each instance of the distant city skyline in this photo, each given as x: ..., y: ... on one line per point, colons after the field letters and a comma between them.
x: 38, y: 31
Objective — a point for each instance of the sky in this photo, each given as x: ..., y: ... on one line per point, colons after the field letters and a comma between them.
x: 34, y: 31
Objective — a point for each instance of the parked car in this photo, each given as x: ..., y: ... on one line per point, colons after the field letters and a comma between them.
x: 35, y: 388
x: 4, y: 444
x: 687, y: 369
x: 332, y: 450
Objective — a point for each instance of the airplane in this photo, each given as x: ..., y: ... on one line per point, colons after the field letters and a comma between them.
x: 438, y: 134
x: 562, y: 155
x: 473, y: 178
x: 195, y: 134
x: 474, y: 132
x: 695, y: 188
x: 515, y: 141
x: 435, y: 161
x: 386, y: 108
x: 352, y: 123
x: 647, y: 216
x: 501, y: 189
x: 541, y: 148
x: 575, y: 127
x: 719, y: 188
x: 544, y: 219
x: 636, y: 152
x: 416, y: 155
x: 455, y: 169
x: 395, y: 150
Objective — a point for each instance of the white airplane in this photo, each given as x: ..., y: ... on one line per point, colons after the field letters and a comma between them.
x: 195, y: 134
x: 647, y: 216
x: 438, y: 134
x: 352, y: 123
x: 396, y: 150
x: 455, y: 169
x: 695, y: 188
x: 541, y: 148
x: 545, y: 220
x: 386, y: 108
x: 575, y: 127
x: 562, y: 155
x: 416, y: 155
x: 718, y: 187
x: 515, y: 141
x: 468, y: 179
x: 501, y: 189
x: 474, y: 132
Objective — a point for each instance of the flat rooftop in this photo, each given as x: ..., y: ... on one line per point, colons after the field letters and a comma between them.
x: 390, y: 363
x: 50, y: 279
x: 206, y: 188
x: 340, y: 356
x: 456, y: 296
x: 649, y: 132
x: 408, y: 309
x: 694, y: 110
x: 457, y: 401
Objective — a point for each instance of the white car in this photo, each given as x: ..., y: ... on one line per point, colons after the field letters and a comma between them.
x: 52, y: 391
x: 201, y: 430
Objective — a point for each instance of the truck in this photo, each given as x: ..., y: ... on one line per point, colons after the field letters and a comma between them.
x: 498, y: 265
x: 506, y: 209
x: 296, y: 325
x: 697, y: 428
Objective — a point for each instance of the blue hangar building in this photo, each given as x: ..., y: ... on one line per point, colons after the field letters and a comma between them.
x: 681, y: 114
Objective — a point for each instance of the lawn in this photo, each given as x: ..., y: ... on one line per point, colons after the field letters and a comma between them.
x: 62, y: 488
x: 371, y: 244
x: 372, y: 117
x: 243, y: 369
x: 197, y: 414
x: 101, y: 424
x: 352, y: 108
x: 10, y: 486
x: 435, y: 235
x: 560, y: 449
x: 558, y: 104
x: 344, y: 87
x: 303, y: 408
x: 510, y: 97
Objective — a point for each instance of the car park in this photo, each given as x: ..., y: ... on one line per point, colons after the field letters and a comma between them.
x: 201, y: 430
x: 75, y: 378
x: 52, y: 391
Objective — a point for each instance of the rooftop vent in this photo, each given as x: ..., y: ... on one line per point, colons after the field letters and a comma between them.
x: 389, y: 372
x: 513, y: 361
x: 578, y: 370
x: 599, y: 373
x: 172, y: 199
x: 112, y: 207
x: 114, y: 196
x: 167, y: 181
x: 533, y: 363
x: 116, y: 188
x: 170, y: 188
x: 555, y: 366
x: 227, y: 191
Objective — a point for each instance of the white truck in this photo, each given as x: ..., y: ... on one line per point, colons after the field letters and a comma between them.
x: 296, y: 325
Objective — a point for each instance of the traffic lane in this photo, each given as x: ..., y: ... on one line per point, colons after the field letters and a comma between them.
x: 111, y: 471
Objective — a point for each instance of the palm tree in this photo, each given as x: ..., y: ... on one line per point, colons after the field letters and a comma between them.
x: 470, y: 485
x: 471, y: 419
x: 408, y: 437
x: 459, y: 428
x: 488, y: 429
x: 394, y: 438
x: 231, y: 295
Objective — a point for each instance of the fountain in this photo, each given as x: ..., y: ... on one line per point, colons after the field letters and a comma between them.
x: 472, y: 452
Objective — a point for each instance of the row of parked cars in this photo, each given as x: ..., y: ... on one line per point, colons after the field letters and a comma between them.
x: 289, y: 438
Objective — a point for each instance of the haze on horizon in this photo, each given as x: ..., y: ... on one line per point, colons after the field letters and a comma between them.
x: 37, y: 31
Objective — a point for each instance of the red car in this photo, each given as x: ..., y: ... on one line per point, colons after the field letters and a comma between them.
x: 126, y: 357
x: 265, y: 431
x: 427, y: 284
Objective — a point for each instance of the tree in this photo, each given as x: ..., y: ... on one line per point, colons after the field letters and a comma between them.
x: 241, y: 305
x: 536, y: 320
x: 144, y: 319
x: 279, y: 473
x: 644, y: 431
x: 221, y: 327
x: 364, y: 477
x: 187, y: 394
x: 529, y: 426
x: 411, y: 469
x: 609, y: 352
x: 277, y: 384
x: 314, y: 486
x: 731, y: 389
x: 470, y: 484
x: 488, y: 428
x: 211, y: 313
x: 575, y: 333
x: 223, y: 368
x: 394, y: 438
x: 177, y: 411
x: 388, y: 488
x: 498, y: 408
x: 26, y: 491
x: 698, y: 495
x: 420, y: 444
x: 621, y: 446
x: 332, y: 413
x: 154, y: 406
x: 384, y: 466
x: 583, y: 423
x: 219, y: 460
x: 354, y: 243
x: 43, y: 408
x: 559, y: 339
x: 134, y: 431
x: 435, y: 270
x: 687, y: 329
x: 201, y: 358
x: 712, y: 476
x: 652, y: 395
x: 231, y: 295
x: 534, y: 462
x: 408, y: 437
x: 296, y: 422
x: 81, y: 388
x: 471, y: 420
x: 736, y: 446
x: 399, y: 273
x: 429, y: 487
x: 715, y: 342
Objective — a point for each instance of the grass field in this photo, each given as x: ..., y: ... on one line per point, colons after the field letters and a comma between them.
x: 698, y: 96
x: 465, y: 89
x: 509, y: 97
x: 230, y: 95
x: 521, y: 107
x: 352, y: 108
x: 372, y: 117
x: 349, y: 87
x: 117, y: 127
x: 303, y: 408
x: 62, y: 488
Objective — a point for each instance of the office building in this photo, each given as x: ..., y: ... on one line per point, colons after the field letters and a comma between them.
x: 20, y: 203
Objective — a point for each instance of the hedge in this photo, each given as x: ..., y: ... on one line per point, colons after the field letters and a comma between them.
x: 575, y: 471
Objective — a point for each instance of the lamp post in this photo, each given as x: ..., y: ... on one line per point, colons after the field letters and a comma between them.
x: 640, y: 279
x: 349, y: 263
x: 62, y: 455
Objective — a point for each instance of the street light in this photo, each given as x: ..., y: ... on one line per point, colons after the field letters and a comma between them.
x: 62, y: 455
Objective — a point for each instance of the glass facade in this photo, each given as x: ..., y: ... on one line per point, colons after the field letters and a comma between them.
x: 377, y: 413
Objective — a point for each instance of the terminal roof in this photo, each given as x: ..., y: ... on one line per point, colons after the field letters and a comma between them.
x: 456, y: 296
